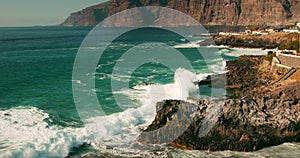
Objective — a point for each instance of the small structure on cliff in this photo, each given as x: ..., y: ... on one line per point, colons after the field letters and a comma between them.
x: 287, y: 59
x: 260, y: 32
x: 229, y: 34
x: 270, y: 30
x: 291, y: 30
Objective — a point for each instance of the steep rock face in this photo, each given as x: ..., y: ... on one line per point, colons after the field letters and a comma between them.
x: 90, y: 16
x: 275, y: 12
x: 208, y: 12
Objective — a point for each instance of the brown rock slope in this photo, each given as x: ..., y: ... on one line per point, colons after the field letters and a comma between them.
x: 207, y: 12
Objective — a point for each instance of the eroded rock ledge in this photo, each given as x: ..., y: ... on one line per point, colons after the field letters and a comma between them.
x: 265, y: 116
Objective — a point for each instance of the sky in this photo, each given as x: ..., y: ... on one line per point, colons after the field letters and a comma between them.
x: 39, y: 12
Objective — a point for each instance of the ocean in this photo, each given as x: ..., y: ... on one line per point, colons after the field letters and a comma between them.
x: 39, y: 117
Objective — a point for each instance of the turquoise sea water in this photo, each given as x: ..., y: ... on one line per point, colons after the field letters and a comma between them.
x: 38, y: 113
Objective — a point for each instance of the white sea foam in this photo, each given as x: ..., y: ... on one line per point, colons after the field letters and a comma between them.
x: 25, y: 133
x: 79, y: 82
x: 143, y: 87
x: 121, y: 129
x: 245, y: 51
x: 53, y: 49
x: 203, y: 76
x: 218, y: 67
x: 185, y: 85
x: 194, y: 44
x: 217, y: 46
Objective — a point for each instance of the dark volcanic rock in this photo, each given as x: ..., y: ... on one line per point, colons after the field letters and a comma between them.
x: 170, y: 114
x: 243, y: 74
x: 270, y: 41
x: 256, y: 116
x: 245, y: 124
x: 207, y: 12
x: 251, y: 42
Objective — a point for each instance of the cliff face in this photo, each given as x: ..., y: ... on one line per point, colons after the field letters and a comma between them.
x: 208, y: 12
x: 90, y: 16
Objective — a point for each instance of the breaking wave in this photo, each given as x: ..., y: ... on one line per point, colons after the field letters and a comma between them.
x: 27, y: 132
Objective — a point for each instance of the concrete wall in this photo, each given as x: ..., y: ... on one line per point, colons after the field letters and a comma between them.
x: 289, y: 60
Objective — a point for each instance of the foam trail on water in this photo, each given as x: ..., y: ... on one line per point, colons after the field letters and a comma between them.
x: 194, y: 44
x: 236, y: 52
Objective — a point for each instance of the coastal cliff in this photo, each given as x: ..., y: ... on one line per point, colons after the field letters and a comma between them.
x: 207, y: 12
x: 255, y: 117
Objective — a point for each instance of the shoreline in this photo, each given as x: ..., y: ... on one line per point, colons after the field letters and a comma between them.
x: 269, y: 41
x: 238, y: 128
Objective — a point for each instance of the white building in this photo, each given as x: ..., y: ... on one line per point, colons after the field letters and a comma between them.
x: 290, y: 31
x: 298, y: 24
x: 260, y: 33
x: 229, y: 34
x: 270, y: 30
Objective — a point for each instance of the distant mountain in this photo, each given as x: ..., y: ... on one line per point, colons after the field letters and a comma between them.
x: 207, y: 12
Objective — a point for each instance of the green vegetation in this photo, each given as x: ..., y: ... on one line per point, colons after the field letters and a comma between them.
x: 255, y: 28
x: 258, y: 27
x: 270, y: 56
x: 292, y: 44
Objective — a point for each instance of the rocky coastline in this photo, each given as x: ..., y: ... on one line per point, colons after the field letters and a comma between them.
x: 269, y: 41
x: 254, y: 117
x: 246, y: 42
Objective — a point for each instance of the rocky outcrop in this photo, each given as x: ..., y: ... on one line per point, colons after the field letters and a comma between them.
x: 265, y: 116
x: 270, y: 41
x: 245, y: 75
x: 207, y: 12
x: 237, y: 84
x: 245, y: 124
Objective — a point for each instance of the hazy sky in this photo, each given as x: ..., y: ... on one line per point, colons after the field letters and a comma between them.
x: 39, y: 12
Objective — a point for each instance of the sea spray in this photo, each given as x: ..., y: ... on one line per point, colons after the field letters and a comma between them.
x: 122, y: 129
x: 194, y: 44
x: 26, y: 133
x: 185, y: 85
